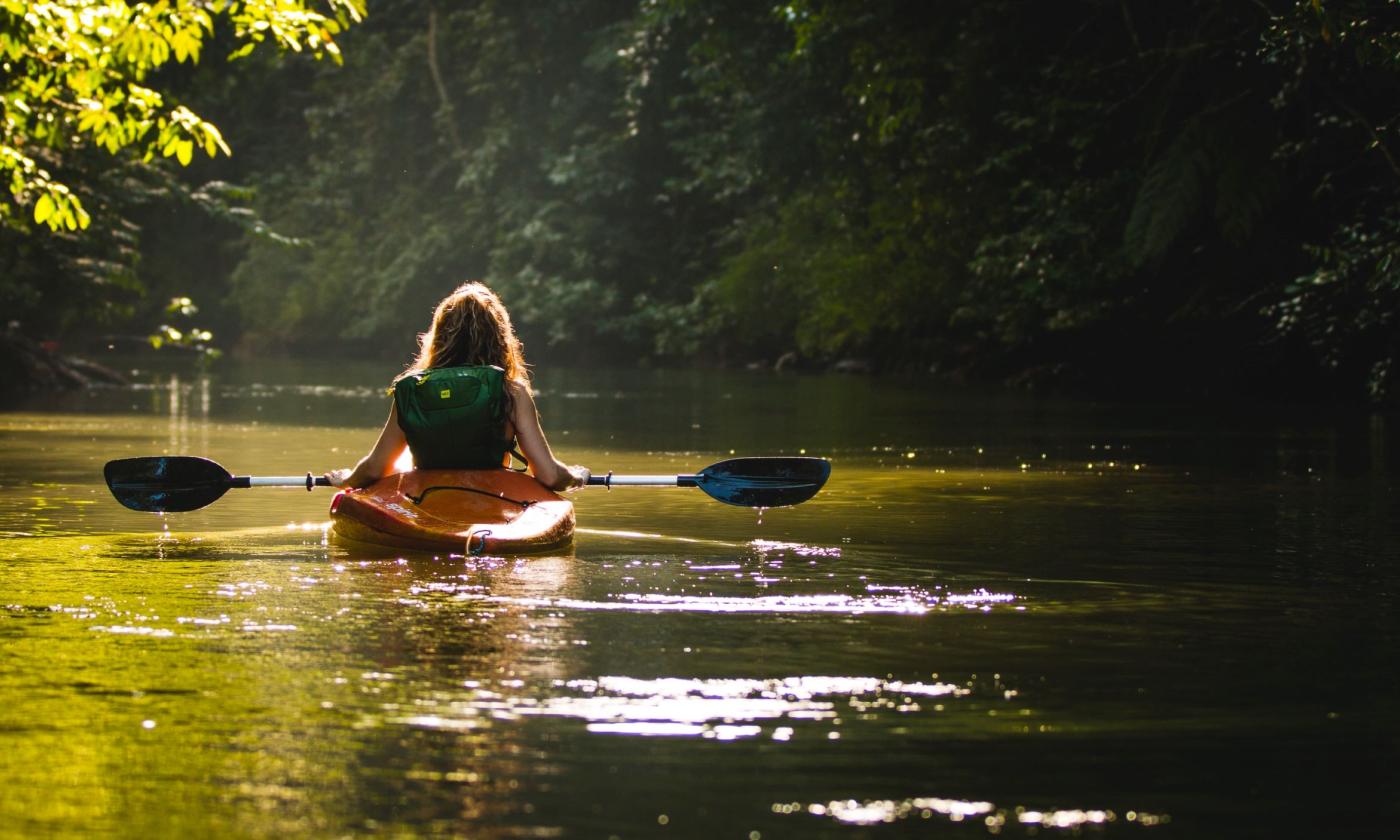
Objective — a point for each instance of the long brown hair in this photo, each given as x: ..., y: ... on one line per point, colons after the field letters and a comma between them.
x: 471, y: 327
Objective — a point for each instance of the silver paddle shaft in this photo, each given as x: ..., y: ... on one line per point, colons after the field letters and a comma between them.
x: 308, y: 481
x: 611, y: 480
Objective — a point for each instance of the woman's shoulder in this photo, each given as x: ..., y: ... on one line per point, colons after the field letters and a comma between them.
x: 408, y: 374
x: 519, y: 389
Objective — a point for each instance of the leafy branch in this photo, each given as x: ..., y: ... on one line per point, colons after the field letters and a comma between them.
x: 74, y: 76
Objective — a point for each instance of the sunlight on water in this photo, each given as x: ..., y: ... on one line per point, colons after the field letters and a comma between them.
x: 765, y: 546
x: 642, y: 535
x: 871, y: 812
x: 911, y: 601
x: 722, y: 709
x: 135, y: 630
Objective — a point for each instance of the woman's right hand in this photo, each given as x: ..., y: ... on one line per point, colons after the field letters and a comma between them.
x: 578, y: 476
x: 339, y: 478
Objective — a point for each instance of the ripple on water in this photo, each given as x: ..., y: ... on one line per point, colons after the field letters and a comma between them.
x: 903, y: 600
x: 135, y: 630
x: 721, y: 709
x: 874, y: 811
x: 800, y: 549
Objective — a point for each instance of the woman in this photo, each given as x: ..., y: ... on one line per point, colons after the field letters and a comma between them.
x: 465, y: 400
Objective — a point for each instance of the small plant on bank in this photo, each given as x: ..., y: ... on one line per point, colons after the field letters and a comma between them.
x: 190, y: 337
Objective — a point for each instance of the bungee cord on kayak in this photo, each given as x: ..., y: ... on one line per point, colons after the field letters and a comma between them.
x: 524, y: 503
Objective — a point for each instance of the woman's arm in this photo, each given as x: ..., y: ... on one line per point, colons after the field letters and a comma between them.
x: 380, y: 460
x: 548, y: 470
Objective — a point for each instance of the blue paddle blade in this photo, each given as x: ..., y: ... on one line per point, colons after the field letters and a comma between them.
x: 166, y: 483
x: 764, y: 482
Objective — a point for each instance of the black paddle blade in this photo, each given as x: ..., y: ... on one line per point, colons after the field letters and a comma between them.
x: 166, y: 483
x: 764, y: 482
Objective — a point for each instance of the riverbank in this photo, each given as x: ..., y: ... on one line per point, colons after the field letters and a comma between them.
x: 27, y: 366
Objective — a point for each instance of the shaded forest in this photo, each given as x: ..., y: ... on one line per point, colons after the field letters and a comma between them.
x: 1113, y: 196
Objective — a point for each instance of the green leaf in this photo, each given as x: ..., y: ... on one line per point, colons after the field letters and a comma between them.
x: 215, y: 140
x: 43, y: 208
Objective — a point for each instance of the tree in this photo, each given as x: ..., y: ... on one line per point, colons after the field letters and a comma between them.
x: 78, y: 75
x: 997, y: 189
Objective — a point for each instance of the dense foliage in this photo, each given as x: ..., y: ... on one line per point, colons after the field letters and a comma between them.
x: 1188, y: 196
x: 79, y: 86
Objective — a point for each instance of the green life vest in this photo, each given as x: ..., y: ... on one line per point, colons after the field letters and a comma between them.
x: 454, y: 417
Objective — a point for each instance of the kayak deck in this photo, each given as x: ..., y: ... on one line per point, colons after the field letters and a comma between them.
x: 462, y: 511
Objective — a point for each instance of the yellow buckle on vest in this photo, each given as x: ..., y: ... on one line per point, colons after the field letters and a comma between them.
x: 445, y: 393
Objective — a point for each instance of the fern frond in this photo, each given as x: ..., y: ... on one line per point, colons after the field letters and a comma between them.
x: 1170, y: 196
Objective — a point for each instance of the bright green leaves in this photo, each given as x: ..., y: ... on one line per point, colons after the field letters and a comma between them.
x: 59, y: 209
x: 292, y: 25
x: 189, y: 338
x: 73, y: 72
x: 54, y: 204
x: 183, y: 130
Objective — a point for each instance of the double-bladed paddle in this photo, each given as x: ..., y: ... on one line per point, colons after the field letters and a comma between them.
x: 176, y: 483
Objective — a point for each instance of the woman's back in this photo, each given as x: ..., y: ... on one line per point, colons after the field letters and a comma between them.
x: 455, y: 417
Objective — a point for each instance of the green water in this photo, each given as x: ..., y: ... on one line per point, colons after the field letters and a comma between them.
x: 1002, y: 616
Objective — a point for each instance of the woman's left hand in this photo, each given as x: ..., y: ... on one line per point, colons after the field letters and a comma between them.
x: 339, y: 477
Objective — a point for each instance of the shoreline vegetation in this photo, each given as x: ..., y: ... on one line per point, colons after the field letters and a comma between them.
x: 1192, y: 199
x: 28, y: 366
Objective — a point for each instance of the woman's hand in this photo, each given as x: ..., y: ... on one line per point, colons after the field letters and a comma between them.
x: 578, y: 477
x: 339, y: 478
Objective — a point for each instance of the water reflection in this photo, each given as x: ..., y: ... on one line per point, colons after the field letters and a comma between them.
x: 679, y: 706
x: 911, y: 601
x: 871, y: 812
x: 1053, y: 617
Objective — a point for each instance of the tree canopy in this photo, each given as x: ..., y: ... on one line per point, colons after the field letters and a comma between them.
x: 77, y: 75
x: 1188, y: 196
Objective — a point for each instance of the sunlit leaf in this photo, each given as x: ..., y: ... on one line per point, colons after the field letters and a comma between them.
x: 43, y: 208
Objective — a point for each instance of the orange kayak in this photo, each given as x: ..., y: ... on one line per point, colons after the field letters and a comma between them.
x: 461, y: 511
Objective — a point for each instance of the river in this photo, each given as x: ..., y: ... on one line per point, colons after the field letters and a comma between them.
x: 1004, y: 615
